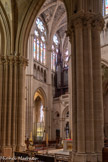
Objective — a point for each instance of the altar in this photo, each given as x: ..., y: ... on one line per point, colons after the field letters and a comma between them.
x: 67, y: 145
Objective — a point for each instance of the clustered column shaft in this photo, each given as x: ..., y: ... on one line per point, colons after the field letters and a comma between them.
x: 97, y: 87
x: 12, y: 74
x: 80, y: 87
x: 87, y: 120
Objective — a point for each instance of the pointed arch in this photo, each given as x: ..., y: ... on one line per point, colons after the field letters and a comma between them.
x: 5, y: 35
x: 65, y: 111
x: 24, y: 29
x: 41, y: 93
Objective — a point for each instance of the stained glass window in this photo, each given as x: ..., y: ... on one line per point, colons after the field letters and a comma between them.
x: 41, y: 113
x: 41, y: 51
x: 54, y: 52
x: 36, y: 33
x: 55, y: 39
x: 66, y: 58
x: 106, y: 7
x: 37, y: 50
x: 44, y: 53
x: 39, y: 47
x: 40, y: 24
x: 34, y: 48
x: 43, y: 39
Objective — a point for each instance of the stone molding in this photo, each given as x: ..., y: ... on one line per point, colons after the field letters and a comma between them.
x: 13, y: 60
x: 84, y: 19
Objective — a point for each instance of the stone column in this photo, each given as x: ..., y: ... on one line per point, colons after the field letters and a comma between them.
x: 72, y: 65
x: 15, y: 103
x: 45, y: 109
x: 80, y: 86
x: 9, y: 111
x: 97, y: 86
x: 12, y: 74
x: 50, y: 95
x: 87, y: 111
x: 88, y: 87
x: 61, y: 127
x: 70, y: 90
x: 5, y: 92
x: 29, y: 87
x: 21, y: 97
x: 1, y: 93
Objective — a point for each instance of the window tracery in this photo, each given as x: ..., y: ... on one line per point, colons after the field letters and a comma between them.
x: 40, y: 42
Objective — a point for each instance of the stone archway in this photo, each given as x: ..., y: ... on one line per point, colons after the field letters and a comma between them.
x: 40, y: 92
x: 84, y: 29
x: 26, y: 25
x: 85, y: 24
x: 39, y: 118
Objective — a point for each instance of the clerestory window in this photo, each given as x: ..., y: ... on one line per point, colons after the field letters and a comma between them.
x: 40, y: 42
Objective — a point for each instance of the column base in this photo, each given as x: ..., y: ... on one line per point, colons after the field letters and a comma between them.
x: 20, y: 148
x: 77, y: 157
x: 6, y: 151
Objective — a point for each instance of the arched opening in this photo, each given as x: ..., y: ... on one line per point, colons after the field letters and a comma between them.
x: 39, y: 120
x: 48, y: 50
x: 39, y: 116
x: 47, y: 47
x: 36, y: 117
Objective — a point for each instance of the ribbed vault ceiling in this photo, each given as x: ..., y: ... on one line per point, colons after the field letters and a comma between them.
x: 53, y: 13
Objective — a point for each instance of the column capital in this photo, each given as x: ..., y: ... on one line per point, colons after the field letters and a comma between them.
x: 23, y: 61
x: 98, y: 23
x: 82, y: 19
x: 13, y: 59
x: 2, y: 60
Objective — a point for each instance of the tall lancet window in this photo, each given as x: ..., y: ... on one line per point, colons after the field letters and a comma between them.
x: 54, y: 52
x: 106, y: 7
x: 39, y: 51
x: 66, y: 58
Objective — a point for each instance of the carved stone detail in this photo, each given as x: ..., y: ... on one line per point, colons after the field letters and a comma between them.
x: 13, y: 59
x: 82, y: 19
